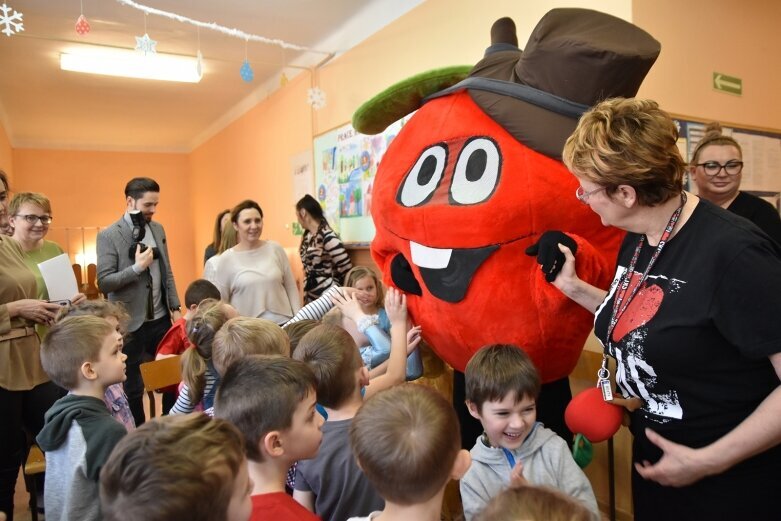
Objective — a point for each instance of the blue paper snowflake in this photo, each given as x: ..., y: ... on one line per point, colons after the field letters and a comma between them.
x: 246, y: 72
x: 146, y: 45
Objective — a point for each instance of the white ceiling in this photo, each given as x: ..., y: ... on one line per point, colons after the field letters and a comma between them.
x: 44, y: 107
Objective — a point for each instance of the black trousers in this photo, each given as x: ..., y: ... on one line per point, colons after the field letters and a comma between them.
x: 553, y: 400
x: 21, y: 415
x: 140, y: 347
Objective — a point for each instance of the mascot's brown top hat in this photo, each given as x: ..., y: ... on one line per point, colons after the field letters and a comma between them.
x: 574, y: 59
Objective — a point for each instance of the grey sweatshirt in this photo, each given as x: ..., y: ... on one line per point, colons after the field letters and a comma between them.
x: 546, y: 460
x: 78, y: 437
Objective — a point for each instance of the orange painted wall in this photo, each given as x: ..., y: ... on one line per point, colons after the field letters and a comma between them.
x: 86, y: 189
x: 250, y: 159
x: 700, y: 37
x: 6, y: 154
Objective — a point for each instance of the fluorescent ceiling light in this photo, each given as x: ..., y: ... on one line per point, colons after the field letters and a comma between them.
x: 131, y: 64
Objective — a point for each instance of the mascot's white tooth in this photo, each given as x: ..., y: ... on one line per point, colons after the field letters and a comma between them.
x: 425, y: 257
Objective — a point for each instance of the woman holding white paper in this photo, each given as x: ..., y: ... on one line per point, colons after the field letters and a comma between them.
x: 25, y: 390
x: 31, y: 215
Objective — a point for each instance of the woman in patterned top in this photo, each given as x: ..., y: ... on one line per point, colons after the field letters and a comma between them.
x: 322, y: 253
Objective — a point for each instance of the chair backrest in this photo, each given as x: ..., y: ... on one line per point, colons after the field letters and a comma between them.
x: 161, y: 373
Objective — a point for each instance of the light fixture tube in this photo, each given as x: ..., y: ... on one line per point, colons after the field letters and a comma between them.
x: 131, y: 64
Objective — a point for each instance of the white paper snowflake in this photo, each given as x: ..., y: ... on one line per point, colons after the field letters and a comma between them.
x: 12, y: 23
x: 315, y: 97
x: 145, y: 44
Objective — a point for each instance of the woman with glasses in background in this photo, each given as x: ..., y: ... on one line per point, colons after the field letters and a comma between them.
x: 26, y: 392
x: 691, y: 319
x: 717, y: 170
x: 31, y: 215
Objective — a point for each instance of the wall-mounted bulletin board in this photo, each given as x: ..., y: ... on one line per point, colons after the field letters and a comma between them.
x: 345, y: 165
x: 761, y: 156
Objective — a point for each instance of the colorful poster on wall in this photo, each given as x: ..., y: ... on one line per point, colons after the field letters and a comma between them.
x: 345, y: 165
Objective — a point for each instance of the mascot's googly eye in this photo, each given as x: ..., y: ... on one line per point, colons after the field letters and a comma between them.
x: 477, y: 172
x: 425, y: 176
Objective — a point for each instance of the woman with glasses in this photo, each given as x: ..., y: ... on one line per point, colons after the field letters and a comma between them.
x: 31, y: 215
x: 717, y: 170
x: 691, y: 319
x: 25, y: 390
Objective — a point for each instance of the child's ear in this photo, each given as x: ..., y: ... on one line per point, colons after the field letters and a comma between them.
x: 193, y: 307
x: 88, y: 372
x: 474, y: 410
x: 461, y: 464
x: 363, y: 377
x: 271, y: 444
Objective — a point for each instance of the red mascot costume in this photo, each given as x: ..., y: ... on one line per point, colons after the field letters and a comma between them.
x: 468, y: 192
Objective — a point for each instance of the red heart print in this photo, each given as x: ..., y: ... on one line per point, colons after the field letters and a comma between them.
x: 640, y: 311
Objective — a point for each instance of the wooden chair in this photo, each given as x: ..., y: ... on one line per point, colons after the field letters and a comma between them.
x: 35, y: 464
x: 158, y: 374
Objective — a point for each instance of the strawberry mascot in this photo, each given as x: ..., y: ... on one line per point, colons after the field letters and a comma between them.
x: 471, y: 198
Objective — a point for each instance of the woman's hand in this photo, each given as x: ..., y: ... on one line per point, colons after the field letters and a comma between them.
x: 38, y: 311
x: 78, y: 299
x: 679, y: 465
x: 349, y: 306
x: 396, y: 307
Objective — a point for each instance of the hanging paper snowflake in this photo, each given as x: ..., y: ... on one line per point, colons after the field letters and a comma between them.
x: 145, y: 44
x: 246, y: 72
x: 82, y: 25
x: 199, y: 64
x: 12, y: 23
x: 315, y: 97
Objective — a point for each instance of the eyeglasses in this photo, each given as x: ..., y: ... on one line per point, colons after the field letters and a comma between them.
x: 32, y: 218
x: 583, y: 195
x: 713, y: 168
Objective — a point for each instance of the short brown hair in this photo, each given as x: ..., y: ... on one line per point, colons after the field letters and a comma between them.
x: 242, y: 336
x: 499, y: 369
x: 98, y: 308
x: 297, y: 330
x: 174, y: 468
x: 333, y: 356
x: 35, y: 198
x: 534, y: 503
x: 628, y: 142
x: 71, y: 342
x: 406, y: 440
x: 260, y: 395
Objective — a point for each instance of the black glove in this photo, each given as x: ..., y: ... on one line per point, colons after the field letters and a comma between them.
x: 548, y: 254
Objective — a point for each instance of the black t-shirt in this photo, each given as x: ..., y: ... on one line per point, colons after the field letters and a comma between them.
x: 759, y: 212
x: 695, y: 340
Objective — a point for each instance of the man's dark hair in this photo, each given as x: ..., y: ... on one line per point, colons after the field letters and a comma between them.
x: 138, y: 186
x: 198, y: 291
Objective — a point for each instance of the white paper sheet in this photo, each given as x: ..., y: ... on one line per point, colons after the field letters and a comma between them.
x: 59, y: 277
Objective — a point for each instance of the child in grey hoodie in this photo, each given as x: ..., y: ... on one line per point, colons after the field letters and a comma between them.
x: 84, y: 355
x: 502, y: 386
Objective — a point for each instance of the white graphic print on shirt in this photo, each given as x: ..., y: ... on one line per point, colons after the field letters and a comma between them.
x: 635, y: 376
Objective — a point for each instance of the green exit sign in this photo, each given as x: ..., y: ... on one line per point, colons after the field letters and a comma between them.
x: 726, y: 83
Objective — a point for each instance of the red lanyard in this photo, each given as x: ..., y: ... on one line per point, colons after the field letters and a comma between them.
x: 622, y: 300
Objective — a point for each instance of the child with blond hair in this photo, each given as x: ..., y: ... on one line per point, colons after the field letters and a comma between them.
x: 198, y: 373
x: 82, y: 354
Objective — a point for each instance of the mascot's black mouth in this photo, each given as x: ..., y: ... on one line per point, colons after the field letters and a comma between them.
x: 447, y: 273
